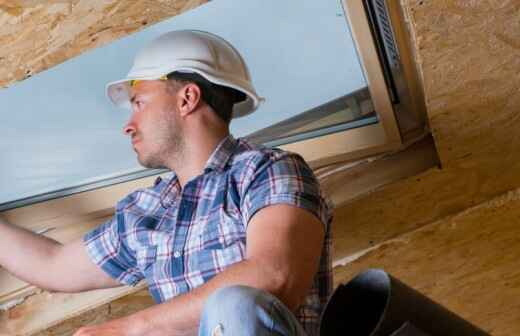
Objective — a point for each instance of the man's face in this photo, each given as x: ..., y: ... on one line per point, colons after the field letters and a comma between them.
x: 154, y: 127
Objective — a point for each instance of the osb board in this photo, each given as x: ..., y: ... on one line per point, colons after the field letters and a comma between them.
x: 469, y: 56
x: 398, y: 208
x: 467, y: 262
x: 36, y: 35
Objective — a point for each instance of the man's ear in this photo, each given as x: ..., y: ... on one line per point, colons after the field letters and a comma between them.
x: 190, y: 97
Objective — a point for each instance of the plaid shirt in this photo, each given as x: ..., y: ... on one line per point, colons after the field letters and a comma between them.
x: 178, y: 239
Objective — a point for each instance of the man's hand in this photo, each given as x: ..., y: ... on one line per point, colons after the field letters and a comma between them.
x: 119, y: 327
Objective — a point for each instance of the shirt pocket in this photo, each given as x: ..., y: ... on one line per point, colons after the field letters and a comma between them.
x: 209, y: 262
x: 222, y: 229
x: 146, y: 259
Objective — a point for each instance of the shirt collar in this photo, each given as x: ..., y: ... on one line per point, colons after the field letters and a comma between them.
x: 217, y: 161
x: 221, y: 155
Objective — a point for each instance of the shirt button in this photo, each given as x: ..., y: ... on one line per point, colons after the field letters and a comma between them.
x: 218, y: 331
x: 176, y: 254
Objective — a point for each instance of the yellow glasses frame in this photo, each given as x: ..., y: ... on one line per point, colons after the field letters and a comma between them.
x: 134, y: 82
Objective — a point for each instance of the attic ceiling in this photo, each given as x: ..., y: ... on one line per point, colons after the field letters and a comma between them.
x: 37, y: 35
x: 468, y: 56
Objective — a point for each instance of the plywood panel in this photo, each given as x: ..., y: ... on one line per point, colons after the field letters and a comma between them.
x: 467, y: 262
x: 469, y: 56
x: 37, y: 35
x: 398, y: 208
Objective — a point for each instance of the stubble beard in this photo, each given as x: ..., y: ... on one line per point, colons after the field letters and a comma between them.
x: 169, y: 149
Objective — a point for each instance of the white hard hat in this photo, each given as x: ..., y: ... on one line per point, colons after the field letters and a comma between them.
x: 190, y: 51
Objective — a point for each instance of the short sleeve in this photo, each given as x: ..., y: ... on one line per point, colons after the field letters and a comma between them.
x: 284, y: 178
x: 108, y: 249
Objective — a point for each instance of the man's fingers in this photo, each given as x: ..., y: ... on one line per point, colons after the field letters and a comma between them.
x: 83, y: 331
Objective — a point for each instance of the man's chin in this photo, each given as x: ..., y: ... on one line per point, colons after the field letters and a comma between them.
x: 149, y: 163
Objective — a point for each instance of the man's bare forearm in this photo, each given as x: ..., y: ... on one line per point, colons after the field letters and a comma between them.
x: 26, y: 254
x: 181, y: 315
x: 48, y: 264
x: 283, y: 264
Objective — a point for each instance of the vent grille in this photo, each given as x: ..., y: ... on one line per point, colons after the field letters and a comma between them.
x: 385, y: 29
x: 387, y: 50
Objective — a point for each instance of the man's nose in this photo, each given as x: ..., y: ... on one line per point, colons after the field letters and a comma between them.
x: 129, y: 129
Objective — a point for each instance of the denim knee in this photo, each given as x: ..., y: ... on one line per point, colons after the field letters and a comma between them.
x: 241, y: 310
x: 237, y: 302
x: 234, y: 298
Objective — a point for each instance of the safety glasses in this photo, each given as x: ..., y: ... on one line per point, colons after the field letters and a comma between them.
x: 134, y: 82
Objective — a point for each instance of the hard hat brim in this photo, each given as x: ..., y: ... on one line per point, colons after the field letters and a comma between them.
x: 119, y: 91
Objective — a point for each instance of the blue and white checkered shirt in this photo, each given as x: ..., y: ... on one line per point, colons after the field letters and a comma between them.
x: 178, y: 239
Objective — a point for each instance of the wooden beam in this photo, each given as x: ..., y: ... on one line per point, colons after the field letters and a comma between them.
x: 77, y: 208
x: 48, y: 309
x: 346, y: 182
x: 121, y: 307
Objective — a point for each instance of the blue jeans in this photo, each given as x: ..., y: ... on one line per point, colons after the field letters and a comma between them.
x: 246, y: 311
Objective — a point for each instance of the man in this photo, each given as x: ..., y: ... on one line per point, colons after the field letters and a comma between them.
x: 234, y: 242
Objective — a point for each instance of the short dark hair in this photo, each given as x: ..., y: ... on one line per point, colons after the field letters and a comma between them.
x: 220, y: 98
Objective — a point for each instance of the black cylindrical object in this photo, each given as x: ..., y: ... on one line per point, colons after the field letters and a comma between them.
x: 376, y: 304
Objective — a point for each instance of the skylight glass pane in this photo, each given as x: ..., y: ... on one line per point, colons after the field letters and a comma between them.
x: 59, y: 131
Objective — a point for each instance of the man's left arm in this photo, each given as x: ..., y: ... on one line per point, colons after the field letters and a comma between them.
x: 284, y: 245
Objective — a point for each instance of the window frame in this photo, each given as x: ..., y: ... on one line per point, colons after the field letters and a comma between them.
x: 347, y: 145
x: 399, y: 124
x: 368, y: 140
